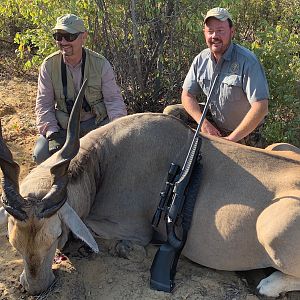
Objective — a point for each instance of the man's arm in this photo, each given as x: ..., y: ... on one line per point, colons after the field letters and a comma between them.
x: 257, y: 112
x: 112, y: 97
x: 192, y: 107
x: 45, y: 113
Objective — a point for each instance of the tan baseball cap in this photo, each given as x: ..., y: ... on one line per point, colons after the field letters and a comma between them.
x: 69, y: 23
x: 218, y: 12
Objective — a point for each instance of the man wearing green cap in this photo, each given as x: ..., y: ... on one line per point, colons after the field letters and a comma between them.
x: 60, y: 78
x: 239, y: 97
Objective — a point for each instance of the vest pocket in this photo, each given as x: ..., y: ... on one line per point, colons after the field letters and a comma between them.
x: 99, y: 110
x: 94, y: 94
x: 62, y: 118
x: 60, y: 100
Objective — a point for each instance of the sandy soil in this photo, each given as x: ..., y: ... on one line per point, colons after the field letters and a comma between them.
x: 83, y: 275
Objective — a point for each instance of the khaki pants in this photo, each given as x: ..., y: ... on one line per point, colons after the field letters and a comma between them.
x: 254, y: 139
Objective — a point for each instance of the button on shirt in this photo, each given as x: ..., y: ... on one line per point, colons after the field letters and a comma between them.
x: 45, y: 105
x: 241, y: 81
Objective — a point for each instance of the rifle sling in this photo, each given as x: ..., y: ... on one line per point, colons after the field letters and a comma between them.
x: 64, y: 80
x: 191, y: 195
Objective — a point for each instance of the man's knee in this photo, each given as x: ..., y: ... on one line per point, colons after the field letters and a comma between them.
x: 178, y: 111
x: 174, y: 110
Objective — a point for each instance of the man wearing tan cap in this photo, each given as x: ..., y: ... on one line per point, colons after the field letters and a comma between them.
x: 60, y: 79
x: 239, y: 97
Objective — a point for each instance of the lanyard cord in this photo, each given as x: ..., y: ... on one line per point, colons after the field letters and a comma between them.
x: 70, y: 102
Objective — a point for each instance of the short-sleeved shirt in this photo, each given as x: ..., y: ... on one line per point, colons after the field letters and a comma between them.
x: 241, y: 81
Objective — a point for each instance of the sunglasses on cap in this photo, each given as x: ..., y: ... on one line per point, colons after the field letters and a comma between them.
x: 69, y: 37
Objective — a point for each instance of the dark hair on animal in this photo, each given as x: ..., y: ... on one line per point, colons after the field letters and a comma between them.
x: 80, y: 163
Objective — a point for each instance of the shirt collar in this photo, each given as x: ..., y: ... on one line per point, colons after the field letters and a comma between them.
x: 228, y: 53
x: 70, y: 66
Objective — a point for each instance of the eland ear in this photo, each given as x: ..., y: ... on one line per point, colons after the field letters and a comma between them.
x: 3, y: 216
x: 75, y: 224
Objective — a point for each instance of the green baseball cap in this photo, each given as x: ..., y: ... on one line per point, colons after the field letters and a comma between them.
x: 220, y: 13
x: 69, y: 23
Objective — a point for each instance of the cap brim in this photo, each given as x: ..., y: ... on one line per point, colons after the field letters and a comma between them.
x: 221, y: 18
x: 65, y: 28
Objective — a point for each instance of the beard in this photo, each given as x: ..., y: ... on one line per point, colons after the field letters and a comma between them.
x: 66, y: 50
x: 218, y: 46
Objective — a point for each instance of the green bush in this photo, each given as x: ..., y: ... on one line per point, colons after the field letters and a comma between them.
x: 278, y: 50
x: 151, y: 45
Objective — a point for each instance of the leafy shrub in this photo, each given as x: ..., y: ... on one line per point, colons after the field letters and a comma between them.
x: 151, y: 45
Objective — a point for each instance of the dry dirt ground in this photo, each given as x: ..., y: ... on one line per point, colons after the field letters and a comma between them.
x: 83, y: 275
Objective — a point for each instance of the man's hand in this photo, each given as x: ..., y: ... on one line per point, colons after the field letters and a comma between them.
x: 100, y: 111
x: 231, y: 138
x: 207, y: 127
x: 56, y: 141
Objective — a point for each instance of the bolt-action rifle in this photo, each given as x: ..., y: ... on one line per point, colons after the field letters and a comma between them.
x: 177, y: 201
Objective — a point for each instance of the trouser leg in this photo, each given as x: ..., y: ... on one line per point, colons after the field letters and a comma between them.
x: 41, y: 150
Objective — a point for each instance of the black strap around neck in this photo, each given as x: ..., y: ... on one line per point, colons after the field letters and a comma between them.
x: 64, y: 80
x: 83, y: 64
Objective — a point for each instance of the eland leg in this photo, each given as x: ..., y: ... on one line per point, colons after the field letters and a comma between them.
x: 278, y: 230
x: 278, y: 283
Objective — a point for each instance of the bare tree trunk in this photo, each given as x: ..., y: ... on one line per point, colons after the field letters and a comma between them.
x: 136, y: 44
x: 105, y: 35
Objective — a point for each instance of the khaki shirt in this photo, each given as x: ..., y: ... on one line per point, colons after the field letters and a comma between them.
x: 241, y: 81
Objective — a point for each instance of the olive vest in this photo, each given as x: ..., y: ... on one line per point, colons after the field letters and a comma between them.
x: 92, y: 70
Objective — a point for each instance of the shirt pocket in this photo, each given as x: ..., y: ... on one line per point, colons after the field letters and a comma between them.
x: 204, y: 83
x: 233, y: 80
x: 231, y: 89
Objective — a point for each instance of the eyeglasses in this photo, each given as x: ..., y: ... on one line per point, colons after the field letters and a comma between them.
x: 219, y: 32
x: 69, y: 37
